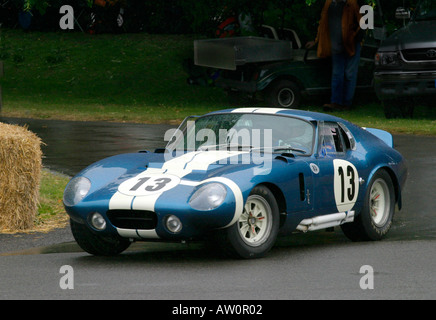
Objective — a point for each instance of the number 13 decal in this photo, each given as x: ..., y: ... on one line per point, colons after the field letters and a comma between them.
x: 143, y: 185
x: 346, y: 185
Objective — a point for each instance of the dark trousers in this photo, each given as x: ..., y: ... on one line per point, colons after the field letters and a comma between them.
x: 344, y: 77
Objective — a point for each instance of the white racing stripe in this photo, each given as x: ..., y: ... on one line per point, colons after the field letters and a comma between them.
x: 269, y: 110
x: 258, y: 110
x: 124, y: 202
x: 137, y: 234
x: 244, y: 110
x: 179, y: 167
x: 120, y: 201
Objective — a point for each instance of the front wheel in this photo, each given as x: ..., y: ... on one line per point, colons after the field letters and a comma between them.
x: 375, y: 220
x: 255, y: 232
x: 95, y: 244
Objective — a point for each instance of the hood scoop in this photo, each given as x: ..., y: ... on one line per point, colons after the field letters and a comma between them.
x: 285, y: 157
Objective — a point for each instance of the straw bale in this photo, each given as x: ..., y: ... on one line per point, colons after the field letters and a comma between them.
x: 20, y: 174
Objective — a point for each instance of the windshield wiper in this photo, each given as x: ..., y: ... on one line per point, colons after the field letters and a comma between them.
x: 289, y: 148
x: 225, y: 146
x: 283, y: 148
x: 229, y: 147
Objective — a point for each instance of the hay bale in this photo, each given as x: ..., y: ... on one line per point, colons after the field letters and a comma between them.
x: 20, y: 174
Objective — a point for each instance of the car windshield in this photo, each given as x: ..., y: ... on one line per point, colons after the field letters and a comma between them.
x: 426, y: 10
x: 244, y: 132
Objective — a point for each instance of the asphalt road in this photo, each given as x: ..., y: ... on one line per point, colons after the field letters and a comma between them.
x: 293, y: 270
x: 319, y: 265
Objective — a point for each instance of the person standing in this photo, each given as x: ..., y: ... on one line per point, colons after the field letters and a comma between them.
x: 339, y: 37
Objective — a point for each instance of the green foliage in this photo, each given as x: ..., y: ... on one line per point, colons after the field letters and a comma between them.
x: 203, y: 17
x: 128, y: 77
x: 40, y: 5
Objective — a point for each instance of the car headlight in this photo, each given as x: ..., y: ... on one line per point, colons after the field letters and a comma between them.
x: 390, y: 59
x: 208, y: 197
x: 76, y: 190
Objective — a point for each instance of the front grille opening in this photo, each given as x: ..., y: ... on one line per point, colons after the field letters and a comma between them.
x: 133, y: 219
x: 428, y: 54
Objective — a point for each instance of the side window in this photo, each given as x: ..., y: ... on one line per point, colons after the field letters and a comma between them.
x: 331, y: 139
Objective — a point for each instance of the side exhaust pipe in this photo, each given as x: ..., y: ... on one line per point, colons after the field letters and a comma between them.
x: 327, y: 221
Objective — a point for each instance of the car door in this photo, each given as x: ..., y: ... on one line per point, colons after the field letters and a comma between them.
x: 301, y: 196
x: 337, y: 180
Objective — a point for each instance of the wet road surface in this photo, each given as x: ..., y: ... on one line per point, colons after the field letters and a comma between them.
x: 71, y: 146
x: 291, y: 271
x: 319, y: 265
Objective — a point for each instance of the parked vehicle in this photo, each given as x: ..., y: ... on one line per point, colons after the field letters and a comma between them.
x: 282, y: 81
x: 406, y: 61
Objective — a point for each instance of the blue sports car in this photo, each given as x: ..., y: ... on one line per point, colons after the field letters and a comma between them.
x: 240, y: 177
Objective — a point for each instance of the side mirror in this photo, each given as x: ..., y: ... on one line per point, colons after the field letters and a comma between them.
x: 402, y: 13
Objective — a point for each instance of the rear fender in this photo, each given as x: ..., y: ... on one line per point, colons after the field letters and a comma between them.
x: 384, y: 136
x: 395, y: 182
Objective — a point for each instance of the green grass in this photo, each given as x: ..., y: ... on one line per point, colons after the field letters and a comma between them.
x: 132, y: 78
x: 371, y: 115
x: 51, y: 212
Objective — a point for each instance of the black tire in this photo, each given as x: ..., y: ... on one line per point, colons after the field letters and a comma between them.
x: 264, y: 225
x: 95, y: 244
x: 375, y: 220
x: 284, y: 94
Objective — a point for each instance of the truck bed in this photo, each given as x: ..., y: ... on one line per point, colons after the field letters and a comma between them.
x: 229, y: 53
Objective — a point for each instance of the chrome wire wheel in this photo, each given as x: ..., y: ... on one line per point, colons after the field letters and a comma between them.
x: 375, y: 218
x: 379, y: 202
x: 255, y: 223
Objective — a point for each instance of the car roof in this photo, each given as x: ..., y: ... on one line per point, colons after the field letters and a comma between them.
x: 302, y: 114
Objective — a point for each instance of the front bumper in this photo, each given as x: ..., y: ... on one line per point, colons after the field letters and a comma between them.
x: 150, y: 225
x: 396, y: 84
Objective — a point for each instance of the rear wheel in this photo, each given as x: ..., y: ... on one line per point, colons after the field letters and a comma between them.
x: 95, y: 244
x: 284, y: 94
x: 255, y: 233
x: 375, y: 220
